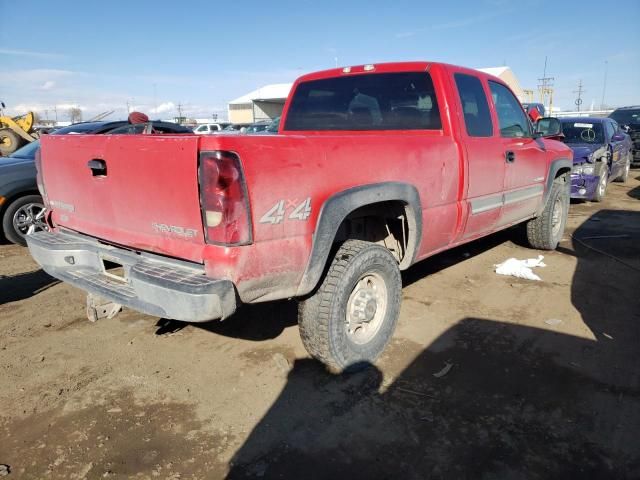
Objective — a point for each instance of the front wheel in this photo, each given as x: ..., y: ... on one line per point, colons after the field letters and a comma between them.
x: 603, y: 181
x: 545, y: 231
x: 351, y: 317
x: 23, y: 216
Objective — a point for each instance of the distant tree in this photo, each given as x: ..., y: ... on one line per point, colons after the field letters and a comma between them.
x: 75, y: 115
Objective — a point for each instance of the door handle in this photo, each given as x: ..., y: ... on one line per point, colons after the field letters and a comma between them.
x: 510, y: 156
x: 98, y: 167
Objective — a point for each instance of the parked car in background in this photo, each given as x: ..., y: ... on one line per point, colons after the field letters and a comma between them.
x: 530, y: 106
x: 601, y: 154
x: 258, y: 127
x: 21, y: 206
x: 629, y: 119
x: 232, y: 129
x: 156, y: 127
x: 209, y: 128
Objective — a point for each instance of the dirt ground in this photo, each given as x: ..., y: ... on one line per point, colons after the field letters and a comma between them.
x: 542, y: 379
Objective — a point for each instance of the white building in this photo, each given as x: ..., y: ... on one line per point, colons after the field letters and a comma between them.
x: 265, y: 103
x: 507, y: 76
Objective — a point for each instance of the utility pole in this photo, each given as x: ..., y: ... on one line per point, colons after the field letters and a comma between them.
x: 180, y: 118
x: 604, y: 84
x: 580, y: 91
x: 155, y: 99
x: 55, y: 111
x: 545, y: 88
x: 128, y: 109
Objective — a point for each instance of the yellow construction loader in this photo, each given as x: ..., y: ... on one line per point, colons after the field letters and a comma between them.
x: 15, y: 132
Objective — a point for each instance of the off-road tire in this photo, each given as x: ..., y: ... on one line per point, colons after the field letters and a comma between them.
x: 10, y: 141
x: 541, y: 233
x: 625, y: 173
x: 603, y: 182
x: 8, y: 228
x: 322, y: 317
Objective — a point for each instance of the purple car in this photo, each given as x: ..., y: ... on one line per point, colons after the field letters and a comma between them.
x: 601, y: 154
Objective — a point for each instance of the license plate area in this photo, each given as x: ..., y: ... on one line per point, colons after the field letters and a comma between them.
x: 113, y: 269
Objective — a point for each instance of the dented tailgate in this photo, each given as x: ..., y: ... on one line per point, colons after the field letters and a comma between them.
x: 139, y: 191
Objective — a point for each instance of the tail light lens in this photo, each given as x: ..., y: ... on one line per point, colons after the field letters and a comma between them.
x: 39, y: 178
x: 223, y: 199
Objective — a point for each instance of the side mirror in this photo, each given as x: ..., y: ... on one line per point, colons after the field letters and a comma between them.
x: 618, y: 137
x: 548, y: 127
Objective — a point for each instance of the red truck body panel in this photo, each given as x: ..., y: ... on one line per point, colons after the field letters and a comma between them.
x: 149, y: 199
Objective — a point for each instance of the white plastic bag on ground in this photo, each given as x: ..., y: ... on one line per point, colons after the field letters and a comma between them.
x: 520, y: 268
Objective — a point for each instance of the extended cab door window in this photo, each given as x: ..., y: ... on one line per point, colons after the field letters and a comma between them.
x: 512, y: 119
x: 477, y: 118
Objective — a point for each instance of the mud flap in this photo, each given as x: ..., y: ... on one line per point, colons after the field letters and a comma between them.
x: 98, y: 307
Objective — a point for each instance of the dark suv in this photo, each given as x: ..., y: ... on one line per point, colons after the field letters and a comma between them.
x: 629, y: 118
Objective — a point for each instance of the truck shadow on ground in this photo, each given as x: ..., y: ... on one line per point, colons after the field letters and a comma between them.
x: 24, y: 285
x: 266, y: 321
x: 519, y: 401
x: 257, y: 322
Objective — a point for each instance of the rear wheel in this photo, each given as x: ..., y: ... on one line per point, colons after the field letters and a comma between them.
x: 349, y: 320
x: 10, y: 141
x: 545, y: 231
x: 625, y: 171
x: 23, y: 216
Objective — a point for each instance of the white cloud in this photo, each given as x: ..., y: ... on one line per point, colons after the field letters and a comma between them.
x: 164, y: 107
x: 48, y: 85
x: 28, y: 53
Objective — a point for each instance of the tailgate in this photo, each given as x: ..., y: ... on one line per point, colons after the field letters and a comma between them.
x: 147, y: 199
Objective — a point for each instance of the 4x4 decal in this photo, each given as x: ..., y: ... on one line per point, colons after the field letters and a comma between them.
x: 277, y: 213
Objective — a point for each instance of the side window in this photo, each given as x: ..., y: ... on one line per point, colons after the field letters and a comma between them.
x: 610, y: 130
x: 477, y: 118
x: 513, y: 121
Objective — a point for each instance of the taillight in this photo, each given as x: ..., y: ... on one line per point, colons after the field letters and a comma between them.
x: 39, y: 178
x: 223, y: 199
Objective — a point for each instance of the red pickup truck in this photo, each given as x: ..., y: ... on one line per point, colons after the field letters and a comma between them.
x: 374, y: 168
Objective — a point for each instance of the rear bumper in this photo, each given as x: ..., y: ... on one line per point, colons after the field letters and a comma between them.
x: 152, y: 284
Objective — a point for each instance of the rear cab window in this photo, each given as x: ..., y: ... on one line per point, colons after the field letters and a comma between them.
x: 477, y: 117
x: 376, y: 101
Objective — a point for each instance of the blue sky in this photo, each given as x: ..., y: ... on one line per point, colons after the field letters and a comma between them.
x: 101, y: 56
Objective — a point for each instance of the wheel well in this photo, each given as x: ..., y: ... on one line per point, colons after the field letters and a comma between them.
x: 562, y: 171
x: 386, y: 223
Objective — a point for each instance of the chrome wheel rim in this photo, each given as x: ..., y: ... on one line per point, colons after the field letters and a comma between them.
x: 556, y: 217
x: 366, y: 308
x: 29, y: 219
